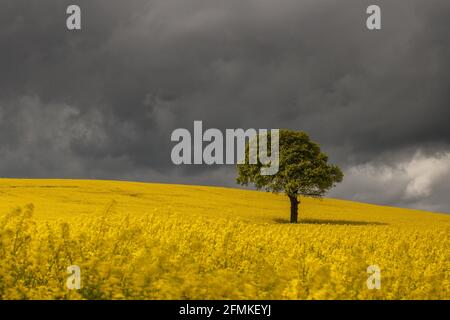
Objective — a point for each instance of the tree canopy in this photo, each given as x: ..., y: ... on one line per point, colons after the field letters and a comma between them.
x: 303, y: 169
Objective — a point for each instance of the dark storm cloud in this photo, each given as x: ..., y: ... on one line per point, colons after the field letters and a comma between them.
x: 101, y: 103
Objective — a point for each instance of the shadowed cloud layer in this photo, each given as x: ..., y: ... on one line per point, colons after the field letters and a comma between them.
x: 101, y: 103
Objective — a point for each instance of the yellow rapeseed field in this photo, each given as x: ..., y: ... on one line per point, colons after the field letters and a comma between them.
x: 156, y: 241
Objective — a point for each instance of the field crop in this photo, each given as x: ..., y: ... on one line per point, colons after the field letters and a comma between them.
x: 156, y: 241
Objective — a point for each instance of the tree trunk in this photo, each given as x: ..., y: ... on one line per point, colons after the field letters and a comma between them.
x: 294, y: 209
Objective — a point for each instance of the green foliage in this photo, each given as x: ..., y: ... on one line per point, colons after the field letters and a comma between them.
x: 303, y: 168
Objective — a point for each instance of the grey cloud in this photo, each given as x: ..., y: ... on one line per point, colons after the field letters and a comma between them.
x: 101, y: 103
x: 419, y: 182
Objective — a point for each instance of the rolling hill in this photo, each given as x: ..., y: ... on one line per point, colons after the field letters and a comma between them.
x: 161, y: 241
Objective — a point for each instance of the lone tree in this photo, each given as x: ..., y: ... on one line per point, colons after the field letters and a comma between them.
x: 303, y: 170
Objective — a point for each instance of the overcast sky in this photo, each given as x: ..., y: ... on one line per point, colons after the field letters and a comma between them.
x: 102, y: 102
